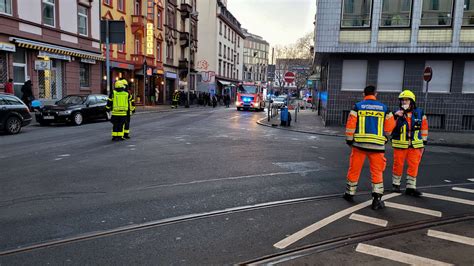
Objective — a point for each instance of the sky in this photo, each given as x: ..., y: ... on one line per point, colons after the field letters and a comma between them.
x: 277, y: 21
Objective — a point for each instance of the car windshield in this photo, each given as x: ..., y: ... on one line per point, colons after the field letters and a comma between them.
x: 247, y: 89
x: 76, y: 99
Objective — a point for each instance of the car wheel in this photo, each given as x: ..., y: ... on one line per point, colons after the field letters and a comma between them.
x: 13, y: 125
x: 77, y: 119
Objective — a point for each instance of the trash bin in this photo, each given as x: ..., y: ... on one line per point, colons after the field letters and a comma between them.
x: 284, y: 121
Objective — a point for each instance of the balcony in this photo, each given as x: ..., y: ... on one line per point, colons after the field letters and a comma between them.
x: 185, y: 10
x: 138, y: 60
x: 184, y: 39
x: 138, y: 23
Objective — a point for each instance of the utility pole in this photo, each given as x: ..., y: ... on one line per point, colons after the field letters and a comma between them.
x: 107, y: 56
x: 190, y: 43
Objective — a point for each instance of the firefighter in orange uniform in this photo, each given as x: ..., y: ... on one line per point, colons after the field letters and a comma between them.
x: 408, y: 140
x: 368, y: 125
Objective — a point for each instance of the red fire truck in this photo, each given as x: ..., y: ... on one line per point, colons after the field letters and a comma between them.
x: 250, y: 97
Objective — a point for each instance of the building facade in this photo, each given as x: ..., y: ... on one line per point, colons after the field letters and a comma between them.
x: 255, y: 58
x: 220, y: 58
x: 53, y: 43
x: 140, y: 58
x: 180, y: 46
x: 388, y: 44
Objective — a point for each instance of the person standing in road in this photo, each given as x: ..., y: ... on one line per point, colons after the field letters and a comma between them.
x: 118, y: 102
x: 27, y: 92
x: 227, y: 100
x: 131, y: 102
x: 408, y: 140
x: 175, y: 99
x: 368, y: 125
x: 9, y: 86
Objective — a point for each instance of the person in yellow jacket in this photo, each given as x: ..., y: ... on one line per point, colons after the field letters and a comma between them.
x: 118, y: 102
x: 131, y: 100
x: 175, y: 99
x: 408, y: 140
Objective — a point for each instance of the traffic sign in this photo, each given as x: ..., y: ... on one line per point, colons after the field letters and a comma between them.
x: 428, y: 74
x: 289, y: 77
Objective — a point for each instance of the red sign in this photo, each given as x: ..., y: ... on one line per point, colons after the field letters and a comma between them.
x: 428, y: 74
x: 289, y: 77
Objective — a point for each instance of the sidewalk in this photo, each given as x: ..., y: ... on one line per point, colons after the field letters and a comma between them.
x: 309, y: 122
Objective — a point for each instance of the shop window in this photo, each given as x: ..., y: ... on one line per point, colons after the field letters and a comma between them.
x: 468, y: 18
x: 356, y: 13
x: 354, y: 75
x: 49, y: 12
x: 84, y: 74
x: 6, y: 6
x: 390, y: 75
x: 396, y: 13
x: 82, y: 19
x: 468, y: 81
x: 441, y: 81
x: 437, y: 13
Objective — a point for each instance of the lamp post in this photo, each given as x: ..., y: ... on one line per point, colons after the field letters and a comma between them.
x: 190, y: 41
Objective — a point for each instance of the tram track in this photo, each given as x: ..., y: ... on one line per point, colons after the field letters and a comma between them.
x: 328, y: 244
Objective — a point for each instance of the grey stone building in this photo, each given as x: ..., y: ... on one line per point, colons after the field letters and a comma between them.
x: 388, y: 43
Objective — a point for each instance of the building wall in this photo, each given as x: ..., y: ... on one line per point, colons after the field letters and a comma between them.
x: 208, y: 27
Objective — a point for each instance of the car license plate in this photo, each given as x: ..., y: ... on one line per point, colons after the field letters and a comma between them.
x: 48, y: 117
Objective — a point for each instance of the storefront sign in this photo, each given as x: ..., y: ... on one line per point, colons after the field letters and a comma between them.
x: 149, y: 39
x: 87, y: 61
x: 171, y: 75
x: 55, y: 56
x: 122, y: 65
x: 42, y: 65
x: 7, y: 47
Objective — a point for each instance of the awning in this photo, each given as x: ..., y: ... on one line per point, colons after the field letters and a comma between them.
x: 225, y: 83
x: 56, y: 49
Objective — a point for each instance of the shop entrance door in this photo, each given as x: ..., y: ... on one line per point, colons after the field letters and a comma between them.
x: 51, y: 81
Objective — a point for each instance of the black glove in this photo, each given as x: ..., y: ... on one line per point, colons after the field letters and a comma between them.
x: 425, y: 142
x: 349, y: 142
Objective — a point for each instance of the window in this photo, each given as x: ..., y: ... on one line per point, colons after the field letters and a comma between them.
x: 232, y: 55
x: 48, y: 12
x: 220, y: 27
x: 238, y: 55
x: 354, y: 75
x: 159, y: 19
x: 169, y: 51
x: 396, y: 13
x: 121, y: 5
x: 356, y: 13
x: 84, y: 72
x: 223, y: 74
x: 6, y: 6
x: 158, y: 52
x: 228, y: 33
x: 468, y: 18
x: 225, y: 50
x: 441, y: 81
x: 137, y: 9
x: 220, y: 48
x: 437, y: 13
x: 137, y: 45
x: 82, y: 19
x: 228, y: 53
x: 220, y: 63
x: 237, y: 74
x: 225, y: 31
x: 468, y: 82
x: 120, y: 47
x: 390, y: 75
x: 108, y: 2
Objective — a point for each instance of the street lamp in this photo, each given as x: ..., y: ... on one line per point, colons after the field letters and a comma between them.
x: 190, y: 41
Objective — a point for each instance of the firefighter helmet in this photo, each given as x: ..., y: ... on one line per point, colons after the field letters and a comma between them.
x: 119, y: 84
x: 407, y: 94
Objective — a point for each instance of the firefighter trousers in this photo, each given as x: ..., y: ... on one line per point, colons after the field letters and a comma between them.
x: 118, y: 123
x: 413, y: 158
x: 126, y: 127
x: 377, y: 163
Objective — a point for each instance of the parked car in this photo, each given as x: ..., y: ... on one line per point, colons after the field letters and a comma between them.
x: 14, y: 114
x: 280, y: 101
x: 74, y: 109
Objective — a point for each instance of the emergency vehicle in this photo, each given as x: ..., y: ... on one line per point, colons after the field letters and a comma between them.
x: 250, y: 97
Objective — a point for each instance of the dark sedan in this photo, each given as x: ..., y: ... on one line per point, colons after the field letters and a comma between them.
x: 74, y: 109
x: 14, y: 114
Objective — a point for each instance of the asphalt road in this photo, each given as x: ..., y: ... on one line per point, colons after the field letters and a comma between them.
x: 203, y: 186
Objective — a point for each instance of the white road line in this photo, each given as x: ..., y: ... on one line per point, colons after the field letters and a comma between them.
x: 447, y: 181
x: 396, y: 255
x: 471, y: 179
x: 446, y: 198
x: 451, y: 237
x: 463, y: 189
x: 369, y: 220
x: 58, y: 159
x: 64, y: 155
x: 318, y: 225
x: 413, y: 209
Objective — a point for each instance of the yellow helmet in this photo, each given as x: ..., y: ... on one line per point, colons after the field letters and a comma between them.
x: 407, y: 94
x: 125, y: 82
x: 119, y: 84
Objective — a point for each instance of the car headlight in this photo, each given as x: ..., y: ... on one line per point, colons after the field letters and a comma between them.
x: 68, y: 112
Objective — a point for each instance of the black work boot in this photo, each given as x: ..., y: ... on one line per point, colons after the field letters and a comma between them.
x: 396, y: 188
x: 126, y: 136
x: 413, y: 192
x: 348, y: 197
x: 377, y: 202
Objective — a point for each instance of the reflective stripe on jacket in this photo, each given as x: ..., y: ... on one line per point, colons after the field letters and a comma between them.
x: 118, y: 102
x: 369, y: 123
x: 411, y: 130
x: 176, y: 96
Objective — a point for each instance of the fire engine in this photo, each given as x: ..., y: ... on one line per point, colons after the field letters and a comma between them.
x: 250, y: 97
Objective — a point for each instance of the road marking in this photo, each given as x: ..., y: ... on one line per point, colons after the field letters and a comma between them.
x: 471, y: 179
x: 64, y: 155
x: 451, y: 237
x: 314, y: 147
x: 58, y: 159
x: 447, y: 181
x: 369, y: 220
x: 396, y: 255
x: 413, y: 209
x: 320, y: 224
x: 446, y: 198
x: 235, y: 116
x: 463, y: 189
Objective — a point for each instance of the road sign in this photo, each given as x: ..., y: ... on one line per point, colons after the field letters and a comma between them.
x: 116, y: 31
x: 289, y: 77
x: 428, y: 74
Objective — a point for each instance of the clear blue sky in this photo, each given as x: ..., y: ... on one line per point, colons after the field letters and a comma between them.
x: 277, y: 21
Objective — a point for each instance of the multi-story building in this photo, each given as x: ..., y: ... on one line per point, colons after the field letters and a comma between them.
x: 220, y: 57
x: 53, y: 43
x: 255, y: 58
x: 388, y: 44
x: 140, y: 58
x: 181, y: 45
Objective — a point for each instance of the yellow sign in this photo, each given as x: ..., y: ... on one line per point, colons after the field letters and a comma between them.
x: 149, y: 39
